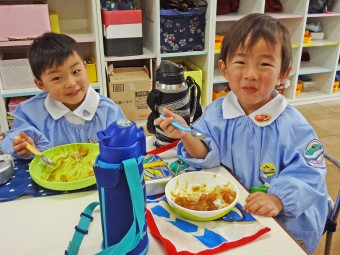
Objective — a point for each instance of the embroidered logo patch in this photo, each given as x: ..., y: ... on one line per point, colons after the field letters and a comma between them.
x: 314, y: 154
x: 263, y: 117
x: 268, y: 170
x: 86, y: 113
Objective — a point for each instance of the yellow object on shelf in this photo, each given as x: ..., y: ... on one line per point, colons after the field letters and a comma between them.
x: 307, y: 39
x: 335, y: 87
x: 299, y: 86
x: 280, y: 91
x: 54, y: 21
x: 297, y: 92
x: 92, y: 72
x: 219, y: 94
x: 218, y: 41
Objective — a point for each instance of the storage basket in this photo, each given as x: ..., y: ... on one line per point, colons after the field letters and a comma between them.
x: 16, y: 74
x: 182, y: 31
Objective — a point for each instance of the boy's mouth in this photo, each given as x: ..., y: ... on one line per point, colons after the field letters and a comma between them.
x: 73, y: 93
x: 249, y: 89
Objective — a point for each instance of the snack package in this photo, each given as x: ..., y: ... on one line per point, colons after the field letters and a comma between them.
x: 156, y: 174
x: 180, y: 166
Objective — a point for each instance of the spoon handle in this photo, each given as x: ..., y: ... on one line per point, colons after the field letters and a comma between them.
x: 31, y: 148
x: 177, y: 124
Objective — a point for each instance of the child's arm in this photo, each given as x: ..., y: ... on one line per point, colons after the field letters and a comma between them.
x: 260, y: 203
x: 194, y: 147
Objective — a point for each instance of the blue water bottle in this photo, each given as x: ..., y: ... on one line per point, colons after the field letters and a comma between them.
x: 121, y: 187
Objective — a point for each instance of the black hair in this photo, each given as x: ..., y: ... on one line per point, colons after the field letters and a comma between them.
x: 50, y: 49
x: 254, y: 27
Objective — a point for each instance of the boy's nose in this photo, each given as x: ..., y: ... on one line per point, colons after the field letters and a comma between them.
x: 251, y: 73
x: 70, y: 82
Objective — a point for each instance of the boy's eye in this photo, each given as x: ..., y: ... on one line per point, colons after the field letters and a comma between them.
x: 76, y: 71
x: 266, y: 64
x: 239, y: 62
x: 56, y: 78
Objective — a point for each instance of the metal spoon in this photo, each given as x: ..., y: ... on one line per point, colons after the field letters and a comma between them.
x: 37, y: 153
x: 190, y: 130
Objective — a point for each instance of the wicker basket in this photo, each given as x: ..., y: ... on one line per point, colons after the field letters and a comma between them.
x: 16, y: 74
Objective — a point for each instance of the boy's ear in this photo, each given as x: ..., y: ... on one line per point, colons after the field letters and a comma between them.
x: 223, y: 68
x: 283, y: 77
x: 40, y: 85
x: 286, y: 74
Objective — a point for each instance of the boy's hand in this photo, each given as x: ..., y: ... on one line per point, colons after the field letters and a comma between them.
x: 165, y: 125
x: 19, y: 145
x: 260, y: 203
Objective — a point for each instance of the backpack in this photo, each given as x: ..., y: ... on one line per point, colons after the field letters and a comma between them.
x: 226, y: 6
x: 273, y: 6
x: 320, y: 6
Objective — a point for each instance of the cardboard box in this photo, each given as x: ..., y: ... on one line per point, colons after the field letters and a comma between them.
x: 317, y: 35
x: 307, y: 85
x: 129, y: 88
x: 23, y: 21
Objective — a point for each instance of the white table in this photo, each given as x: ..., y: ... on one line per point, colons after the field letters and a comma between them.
x: 45, y: 225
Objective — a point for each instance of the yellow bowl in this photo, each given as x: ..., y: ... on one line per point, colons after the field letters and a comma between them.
x: 38, y: 169
x: 186, y: 181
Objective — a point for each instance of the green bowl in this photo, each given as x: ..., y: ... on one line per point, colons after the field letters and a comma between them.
x: 67, y: 158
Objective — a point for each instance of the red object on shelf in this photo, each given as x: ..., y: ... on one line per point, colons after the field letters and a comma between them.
x: 123, y: 34
x: 121, y: 17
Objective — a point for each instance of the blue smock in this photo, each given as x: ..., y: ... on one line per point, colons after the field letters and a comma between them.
x: 274, y: 145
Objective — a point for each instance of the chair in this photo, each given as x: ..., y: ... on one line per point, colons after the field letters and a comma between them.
x: 331, y: 223
x: 332, y: 159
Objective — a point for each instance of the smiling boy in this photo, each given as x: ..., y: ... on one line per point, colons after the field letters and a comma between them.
x: 69, y: 110
x: 254, y: 132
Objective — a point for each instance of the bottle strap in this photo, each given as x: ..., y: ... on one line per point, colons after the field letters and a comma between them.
x: 195, y: 97
x: 81, y: 229
x: 131, y: 239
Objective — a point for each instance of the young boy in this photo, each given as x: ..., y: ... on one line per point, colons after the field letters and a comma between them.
x: 69, y: 110
x: 256, y: 134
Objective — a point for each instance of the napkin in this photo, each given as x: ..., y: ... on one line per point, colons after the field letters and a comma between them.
x: 182, y: 236
x: 22, y: 184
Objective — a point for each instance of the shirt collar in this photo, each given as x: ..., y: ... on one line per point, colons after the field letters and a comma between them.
x: 85, y: 111
x: 263, y: 116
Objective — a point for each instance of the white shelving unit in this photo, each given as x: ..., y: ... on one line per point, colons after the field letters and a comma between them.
x: 78, y: 19
x: 324, y: 53
x: 82, y: 20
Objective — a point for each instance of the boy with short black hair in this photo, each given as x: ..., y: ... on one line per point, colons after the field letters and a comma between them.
x: 255, y: 133
x: 69, y: 110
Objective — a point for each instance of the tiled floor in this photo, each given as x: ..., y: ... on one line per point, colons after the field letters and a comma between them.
x: 325, y: 118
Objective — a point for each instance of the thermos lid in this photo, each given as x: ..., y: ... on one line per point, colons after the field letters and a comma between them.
x: 169, y: 73
x: 6, y: 167
x: 120, y: 141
